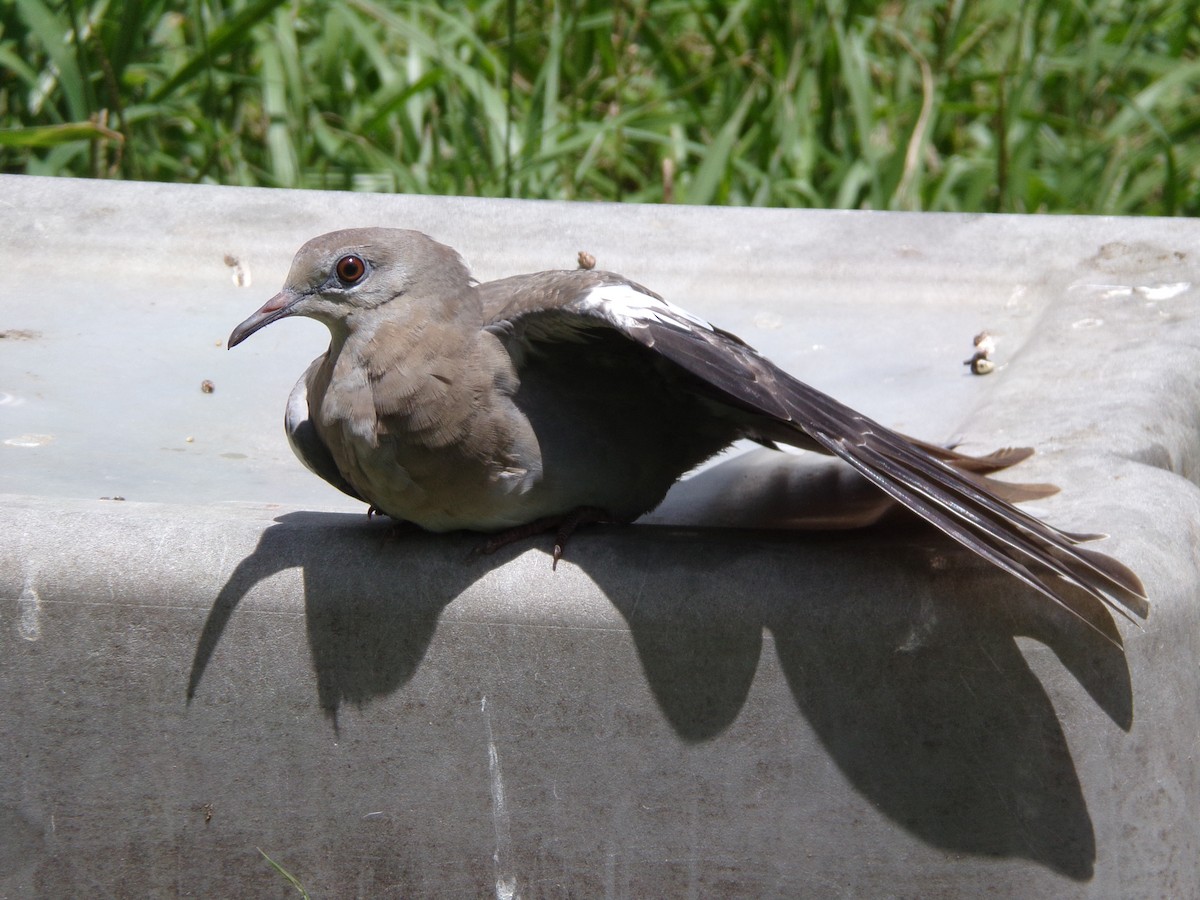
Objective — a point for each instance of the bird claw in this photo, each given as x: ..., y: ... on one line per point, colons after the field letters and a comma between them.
x: 563, y: 527
x: 400, y: 527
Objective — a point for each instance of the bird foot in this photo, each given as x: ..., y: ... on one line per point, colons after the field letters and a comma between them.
x: 400, y: 527
x: 562, y: 526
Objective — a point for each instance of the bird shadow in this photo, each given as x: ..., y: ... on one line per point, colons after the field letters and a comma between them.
x: 909, y: 674
x: 908, y: 670
x: 369, y: 611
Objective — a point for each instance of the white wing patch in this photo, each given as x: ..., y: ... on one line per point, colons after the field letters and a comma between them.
x: 626, y: 306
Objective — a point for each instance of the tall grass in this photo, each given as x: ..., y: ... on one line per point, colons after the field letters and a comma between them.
x: 1088, y: 106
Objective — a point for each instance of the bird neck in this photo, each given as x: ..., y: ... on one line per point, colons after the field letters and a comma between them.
x: 410, y: 335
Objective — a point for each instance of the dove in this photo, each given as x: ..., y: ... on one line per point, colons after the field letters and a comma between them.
x: 545, y: 401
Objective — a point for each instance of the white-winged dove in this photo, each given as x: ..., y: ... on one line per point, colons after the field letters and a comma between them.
x: 541, y: 401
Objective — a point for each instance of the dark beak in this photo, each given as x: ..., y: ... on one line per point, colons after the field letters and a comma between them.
x: 276, y: 308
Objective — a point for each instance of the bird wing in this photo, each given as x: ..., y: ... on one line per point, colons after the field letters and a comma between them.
x: 555, y: 306
x: 306, y: 443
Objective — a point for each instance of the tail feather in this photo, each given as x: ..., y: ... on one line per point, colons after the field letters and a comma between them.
x: 996, y: 530
x: 957, y: 504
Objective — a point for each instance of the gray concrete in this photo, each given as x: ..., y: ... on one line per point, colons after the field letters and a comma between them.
x: 233, y: 657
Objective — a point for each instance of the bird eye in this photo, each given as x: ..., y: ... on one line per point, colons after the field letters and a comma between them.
x: 350, y: 269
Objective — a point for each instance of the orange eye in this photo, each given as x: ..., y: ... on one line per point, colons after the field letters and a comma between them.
x: 350, y: 269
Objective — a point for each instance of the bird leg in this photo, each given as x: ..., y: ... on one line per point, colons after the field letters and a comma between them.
x: 562, y: 526
x: 399, y: 528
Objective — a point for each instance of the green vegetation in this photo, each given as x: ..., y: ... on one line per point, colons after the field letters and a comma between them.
x: 287, y: 876
x: 1088, y: 106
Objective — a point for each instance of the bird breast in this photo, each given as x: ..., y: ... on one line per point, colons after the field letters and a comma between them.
x: 445, y: 449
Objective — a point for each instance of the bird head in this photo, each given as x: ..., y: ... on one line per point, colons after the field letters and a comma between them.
x: 337, y: 275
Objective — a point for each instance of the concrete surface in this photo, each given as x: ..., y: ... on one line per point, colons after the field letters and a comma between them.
x: 232, y: 657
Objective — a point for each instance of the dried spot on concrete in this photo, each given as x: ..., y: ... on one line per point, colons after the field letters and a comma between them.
x: 241, y: 271
x: 1124, y: 258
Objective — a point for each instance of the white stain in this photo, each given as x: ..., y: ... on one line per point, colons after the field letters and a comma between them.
x: 1018, y: 302
x: 1106, y: 291
x: 7, y: 399
x: 506, y: 879
x: 29, y: 612
x: 924, y: 621
x: 769, y: 321
x: 29, y: 440
x: 1163, y: 291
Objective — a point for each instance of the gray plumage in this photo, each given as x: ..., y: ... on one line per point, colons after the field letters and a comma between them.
x: 520, y: 402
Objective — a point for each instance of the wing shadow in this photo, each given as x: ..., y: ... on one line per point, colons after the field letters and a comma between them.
x: 914, y: 684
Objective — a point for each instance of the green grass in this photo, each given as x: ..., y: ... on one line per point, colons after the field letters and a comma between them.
x: 285, y: 874
x: 1086, y: 107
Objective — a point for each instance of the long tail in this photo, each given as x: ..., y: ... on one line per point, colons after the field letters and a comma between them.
x: 967, y: 511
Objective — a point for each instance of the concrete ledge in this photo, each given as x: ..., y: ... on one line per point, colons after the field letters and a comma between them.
x: 232, y: 657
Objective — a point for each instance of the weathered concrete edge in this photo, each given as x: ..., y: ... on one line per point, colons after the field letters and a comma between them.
x: 87, y: 552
